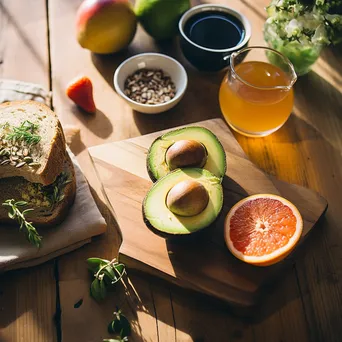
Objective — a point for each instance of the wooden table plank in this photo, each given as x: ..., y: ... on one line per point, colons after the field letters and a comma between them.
x: 27, y: 297
x: 119, y: 122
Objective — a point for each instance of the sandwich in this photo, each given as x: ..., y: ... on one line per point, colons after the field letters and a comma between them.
x: 37, y: 177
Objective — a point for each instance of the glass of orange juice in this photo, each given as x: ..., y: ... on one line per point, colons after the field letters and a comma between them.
x: 256, y: 95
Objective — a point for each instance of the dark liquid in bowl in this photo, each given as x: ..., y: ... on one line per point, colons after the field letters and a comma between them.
x: 214, y: 30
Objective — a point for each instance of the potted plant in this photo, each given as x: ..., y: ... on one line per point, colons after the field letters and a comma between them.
x: 300, y: 29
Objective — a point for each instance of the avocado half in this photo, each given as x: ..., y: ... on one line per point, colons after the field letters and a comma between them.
x: 163, y: 222
x: 216, y: 158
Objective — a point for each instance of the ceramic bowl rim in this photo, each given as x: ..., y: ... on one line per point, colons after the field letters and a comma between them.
x: 207, y: 7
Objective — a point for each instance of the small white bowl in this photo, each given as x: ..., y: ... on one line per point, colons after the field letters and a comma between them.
x: 151, y: 61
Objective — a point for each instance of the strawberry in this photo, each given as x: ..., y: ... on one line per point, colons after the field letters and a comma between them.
x: 80, y: 90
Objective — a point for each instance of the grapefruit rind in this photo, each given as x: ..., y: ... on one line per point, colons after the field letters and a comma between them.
x: 279, y: 254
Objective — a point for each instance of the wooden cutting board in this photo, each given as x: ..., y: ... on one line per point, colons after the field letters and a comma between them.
x: 201, y: 263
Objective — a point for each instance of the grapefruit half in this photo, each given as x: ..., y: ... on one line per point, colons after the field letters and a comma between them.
x: 263, y: 229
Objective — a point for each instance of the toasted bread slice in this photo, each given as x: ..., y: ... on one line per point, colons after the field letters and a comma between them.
x: 50, y: 206
x: 32, y: 143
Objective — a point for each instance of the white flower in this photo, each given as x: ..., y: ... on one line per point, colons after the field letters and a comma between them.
x: 293, y: 28
x: 334, y: 19
x: 304, y: 40
x: 310, y: 21
x: 270, y: 20
x: 320, y: 36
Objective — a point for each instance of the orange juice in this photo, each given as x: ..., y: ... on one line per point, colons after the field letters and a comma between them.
x: 250, y: 100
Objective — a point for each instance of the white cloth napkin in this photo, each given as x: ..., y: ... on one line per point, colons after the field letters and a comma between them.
x: 83, y: 221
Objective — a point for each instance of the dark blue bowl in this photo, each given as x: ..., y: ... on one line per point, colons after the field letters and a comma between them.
x: 207, y: 59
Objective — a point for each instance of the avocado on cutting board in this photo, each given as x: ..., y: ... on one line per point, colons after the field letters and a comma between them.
x: 203, y: 262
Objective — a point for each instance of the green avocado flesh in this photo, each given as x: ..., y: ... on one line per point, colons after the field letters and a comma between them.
x: 157, y: 214
x: 216, y: 161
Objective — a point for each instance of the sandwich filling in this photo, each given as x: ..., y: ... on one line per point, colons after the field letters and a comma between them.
x: 45, y: 197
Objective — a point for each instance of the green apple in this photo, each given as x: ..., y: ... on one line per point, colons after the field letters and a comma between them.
x: 160, y: 18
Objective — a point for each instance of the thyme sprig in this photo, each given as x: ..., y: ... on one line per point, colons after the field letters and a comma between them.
x: 106, y: 274
x: 25, y: 132
x: 14, y: 213
x: 55, y: 191
x: 119, y: 325
x: 58, y: 186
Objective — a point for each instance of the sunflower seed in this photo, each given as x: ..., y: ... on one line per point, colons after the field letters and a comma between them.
x: 28, y: 159
x: 6, y: 161
x: 34, y: 164
x: 13, y: 163
x: 14, y: 158
x: 150, y: 86
x: 20, y: 164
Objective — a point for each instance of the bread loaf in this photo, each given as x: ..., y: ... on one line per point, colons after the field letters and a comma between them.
x: 32, y: 143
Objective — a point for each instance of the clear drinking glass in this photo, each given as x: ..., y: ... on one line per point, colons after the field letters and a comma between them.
x: 256, y: 95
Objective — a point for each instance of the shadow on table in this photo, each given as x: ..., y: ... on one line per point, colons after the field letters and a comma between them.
x: 98, y: 123
x: 200, y: 101
x: 183, y: 309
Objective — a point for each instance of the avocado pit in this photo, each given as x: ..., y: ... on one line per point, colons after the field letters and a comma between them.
x: 186, y: 153
x: 187, y: 198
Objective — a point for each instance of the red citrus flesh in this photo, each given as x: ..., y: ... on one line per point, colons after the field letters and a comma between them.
x: 263, y: 229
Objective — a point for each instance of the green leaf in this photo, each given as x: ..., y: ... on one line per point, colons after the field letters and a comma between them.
x: 94, y: 264
x: 61, y: 197
x: 95, y: 290
x: 120, y: 268
x: 27, y: 211
x: 120, y: 325
x: 108, y: 271
x: 15, y: 214
x: 11, y: 214
x: 20, y: 203
x: 125, y: 326
x: 103, y: 289
x: 111, y: 327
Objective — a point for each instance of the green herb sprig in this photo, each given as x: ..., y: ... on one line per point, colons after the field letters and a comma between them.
x: 119, y: 325
x: 25, y: 132
x: 106, y: 274
x: 14, y: 213
x: 55, y: 191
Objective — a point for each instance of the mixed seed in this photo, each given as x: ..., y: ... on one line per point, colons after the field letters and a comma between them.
x: 46, y: 196
x: 150, y: 86
x: 16, y: 144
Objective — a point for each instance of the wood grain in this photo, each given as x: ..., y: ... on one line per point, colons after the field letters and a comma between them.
x: 306, y: 151
x: 201, y: 264
x: 119, y: 123
x: 27, y: 297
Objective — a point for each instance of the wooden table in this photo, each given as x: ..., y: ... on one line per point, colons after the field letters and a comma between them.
x: 37, y: 44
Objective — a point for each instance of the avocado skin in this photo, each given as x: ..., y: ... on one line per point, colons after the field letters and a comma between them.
x: 149, y: 170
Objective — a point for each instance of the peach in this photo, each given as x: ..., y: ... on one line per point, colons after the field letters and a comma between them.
x: 105, y: 26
